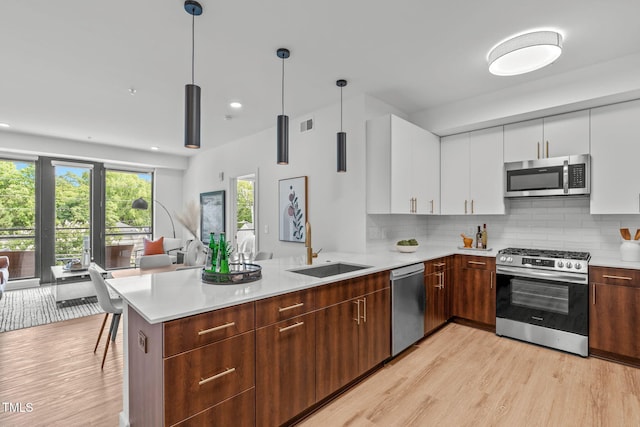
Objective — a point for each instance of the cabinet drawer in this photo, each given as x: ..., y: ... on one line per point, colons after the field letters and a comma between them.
x: 195, y: 331
x: 437, y: 265
x: 476, y: 262
x: 614, y: 276
x: 335, y: 293
x: 204, y: 377
x: 283, y: 307
x: 237, y: 411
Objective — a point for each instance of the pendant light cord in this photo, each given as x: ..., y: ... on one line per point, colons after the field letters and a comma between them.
x: 193, y: 46
x: 341, y: 109
x: 283, y: 86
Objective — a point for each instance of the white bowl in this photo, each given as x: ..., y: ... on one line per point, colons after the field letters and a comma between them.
x: 407, y: 249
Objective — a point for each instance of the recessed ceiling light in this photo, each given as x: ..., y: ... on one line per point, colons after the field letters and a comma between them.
x: 155, y: 148
x: 132, y: 91
x: 525, y: 53
x: 235, y: 104
x: 4, y: 125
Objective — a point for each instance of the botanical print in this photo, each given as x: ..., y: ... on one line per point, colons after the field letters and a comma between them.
x: 293, y: 207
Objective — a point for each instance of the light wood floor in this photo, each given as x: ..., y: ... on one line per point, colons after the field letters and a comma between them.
x: 459, y: 377
x: 53, y: 368
x: 466, y: 377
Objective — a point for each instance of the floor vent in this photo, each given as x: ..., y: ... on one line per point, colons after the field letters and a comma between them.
x: 306, y: 125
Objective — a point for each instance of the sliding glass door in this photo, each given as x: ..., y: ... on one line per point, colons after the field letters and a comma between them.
x: 18, y: 217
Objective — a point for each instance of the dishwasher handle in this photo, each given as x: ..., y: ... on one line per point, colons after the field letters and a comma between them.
x: 409, y: 270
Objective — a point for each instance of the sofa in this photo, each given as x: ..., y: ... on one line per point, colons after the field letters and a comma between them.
x: 4, y: 273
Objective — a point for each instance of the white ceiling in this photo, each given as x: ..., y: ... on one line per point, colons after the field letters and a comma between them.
x: 67, y: 65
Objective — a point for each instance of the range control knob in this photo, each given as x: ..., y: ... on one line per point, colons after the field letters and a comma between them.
x: 560, y: 264
x: 568, y: 264
x: 509, y: 259
x: 578, y: 266
x: 503, y: 258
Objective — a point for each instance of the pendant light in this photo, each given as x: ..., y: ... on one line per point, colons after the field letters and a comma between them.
x: 283, y: 121
x: 192, y: 91
x: 342, y: 136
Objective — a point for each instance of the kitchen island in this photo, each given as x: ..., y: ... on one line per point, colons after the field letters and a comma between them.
x: 162, y: 309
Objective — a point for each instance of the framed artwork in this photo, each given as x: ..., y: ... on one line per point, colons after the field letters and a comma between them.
x: 292, y: 208
x: 211, y: 214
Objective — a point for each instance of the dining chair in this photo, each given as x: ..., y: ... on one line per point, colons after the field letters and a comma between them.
x: 155, y: 261
x: 109, y: 305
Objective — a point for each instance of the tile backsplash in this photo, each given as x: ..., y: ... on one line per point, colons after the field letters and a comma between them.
x: 549, y: 222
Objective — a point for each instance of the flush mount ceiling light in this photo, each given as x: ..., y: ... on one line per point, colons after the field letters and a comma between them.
x: 192, y: 91
x: 342, y: 136
x: 235, y: 104
x: 283, y: 121
x: 525, y: 53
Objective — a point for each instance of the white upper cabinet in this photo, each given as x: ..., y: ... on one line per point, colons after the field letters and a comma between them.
x: 615, y: 150
x: 472, y: 173
x: 403, y: 168
x: 554, y: 136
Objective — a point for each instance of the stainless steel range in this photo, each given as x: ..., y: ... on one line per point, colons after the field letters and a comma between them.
x: 542, y: 296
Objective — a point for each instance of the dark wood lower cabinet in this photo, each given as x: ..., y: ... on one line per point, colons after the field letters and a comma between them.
x: 474, y: 292
x: 351, y: 338
x: 437, y: 282
x: 237, y: 411
x: 285, y: 374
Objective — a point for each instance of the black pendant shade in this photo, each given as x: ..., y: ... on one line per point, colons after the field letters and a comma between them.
x: 192, y: 91
x: 192, y: 116
x: 283, y: 121
x: 283, y: 140
x: 342, y: 152
x: 342, y: 136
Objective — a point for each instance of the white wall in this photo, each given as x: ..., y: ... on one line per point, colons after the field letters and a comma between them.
x: 337, y: 205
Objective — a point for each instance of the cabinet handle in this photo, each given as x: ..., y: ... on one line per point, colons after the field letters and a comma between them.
x: 442, y: 285
x: 491, y: 281
x: 440, y: 264
x: 472, y: 206
x: 465, y: 206
x: 432, y: 206
x: 357, y: 319
x: 295, y: 325
x: 216, y: 376
x: 291, y: 307
x: 547, y: 149
x: 606, y: 276
x: 594, y: 294
x: 538, y: 149
x: 476, y: 262
x: 364, y: 303
x: 217, y: 328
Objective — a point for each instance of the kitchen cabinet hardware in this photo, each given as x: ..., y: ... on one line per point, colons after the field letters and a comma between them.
x: 217, y: 328
x: 440, y: 264
x: 465, y: 206
x: 216, y: 376
x: 431, y: 206
x: 547, y: 149
x: 476, y: 263
x: 291, y: 307
x: 295, y: 325
x: 538, y: 149
x: 471, y: 206
x: 594, y: 294
x: 606, y: 276
x: 491, y: 280
x: 364, y: 310
x: 357, y: 319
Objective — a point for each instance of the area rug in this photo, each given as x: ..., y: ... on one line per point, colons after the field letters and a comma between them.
x: 36, y: 306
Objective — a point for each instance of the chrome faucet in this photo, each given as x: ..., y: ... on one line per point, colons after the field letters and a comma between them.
x: 307, y: 244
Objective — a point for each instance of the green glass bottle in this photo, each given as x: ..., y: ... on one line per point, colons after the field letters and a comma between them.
x: 223, y: 255
x: 213, y: 251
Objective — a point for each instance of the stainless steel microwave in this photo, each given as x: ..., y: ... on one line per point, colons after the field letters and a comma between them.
x: 557, y: 176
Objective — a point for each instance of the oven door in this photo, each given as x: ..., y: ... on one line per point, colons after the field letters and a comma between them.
x: 557, y: 300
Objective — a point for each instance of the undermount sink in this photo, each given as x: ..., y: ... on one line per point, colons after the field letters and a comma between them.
x: 329, y: 269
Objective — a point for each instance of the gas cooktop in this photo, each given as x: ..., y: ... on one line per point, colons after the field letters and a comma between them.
x: 548, y: 259
x: 547, y: 253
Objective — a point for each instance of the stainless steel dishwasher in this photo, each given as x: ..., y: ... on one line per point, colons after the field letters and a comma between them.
x: 407, y: 306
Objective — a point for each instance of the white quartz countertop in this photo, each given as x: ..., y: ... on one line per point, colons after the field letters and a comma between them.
x: 161, y: 297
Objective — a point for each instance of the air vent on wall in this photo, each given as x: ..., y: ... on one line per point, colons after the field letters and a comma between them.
x: 306, y: 125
